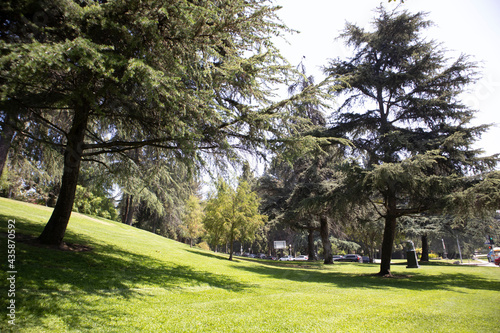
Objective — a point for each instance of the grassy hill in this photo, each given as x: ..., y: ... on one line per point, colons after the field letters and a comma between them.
x: 121, y: 279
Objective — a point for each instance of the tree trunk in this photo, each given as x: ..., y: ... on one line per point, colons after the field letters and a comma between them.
x: 310, y: 245
x: 231, y: 244
x: 325, y: 238
x: 54, y: 230
x: 425, y: 249
x: 389, y: 234
x: 6, y: 137
x: 130, y: 211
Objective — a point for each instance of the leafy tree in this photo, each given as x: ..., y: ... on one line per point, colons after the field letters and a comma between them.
x: 87, y: 202
x: 412, y: 142
x: 193, y: 218
x: 233, y: 214
x: 189, y: 79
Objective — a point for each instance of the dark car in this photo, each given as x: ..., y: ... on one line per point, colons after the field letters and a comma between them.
x: 351, y: 258
x: 337, y: 257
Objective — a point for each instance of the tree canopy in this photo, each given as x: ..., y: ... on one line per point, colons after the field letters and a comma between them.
x: 232, y: 214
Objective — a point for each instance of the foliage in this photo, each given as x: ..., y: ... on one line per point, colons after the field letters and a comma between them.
x: 88, y: 203
x: 203, y: 246
x: 188, y: 79
x: 232, y: 214
x: 193, y: 218
x: 412, y: 137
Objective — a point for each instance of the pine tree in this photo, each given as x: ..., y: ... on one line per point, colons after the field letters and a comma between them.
x: 413, y: 141
x: 188, y: 79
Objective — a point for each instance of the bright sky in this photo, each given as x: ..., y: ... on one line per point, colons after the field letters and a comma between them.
x: 470, y: 27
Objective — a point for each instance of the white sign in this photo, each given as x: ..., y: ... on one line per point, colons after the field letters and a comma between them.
x: 279, y: 245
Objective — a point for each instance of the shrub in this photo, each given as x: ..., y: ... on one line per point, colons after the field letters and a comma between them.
x: 203, y: 246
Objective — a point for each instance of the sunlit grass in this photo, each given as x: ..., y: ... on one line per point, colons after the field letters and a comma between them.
x: 135, y: 281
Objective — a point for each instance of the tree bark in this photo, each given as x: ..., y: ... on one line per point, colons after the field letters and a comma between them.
x: 389, y: 234
x: 231, y: 244
x: 425, y: 249
x: 310, y: 245
x: 6, y: 137
x: 128, y: 209
x: 54, y: 230
x: 325, y: 238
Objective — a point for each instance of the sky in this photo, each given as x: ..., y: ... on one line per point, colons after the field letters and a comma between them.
x: 462, y: 26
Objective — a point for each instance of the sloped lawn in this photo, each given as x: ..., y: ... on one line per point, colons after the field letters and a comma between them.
x: 116, y: 278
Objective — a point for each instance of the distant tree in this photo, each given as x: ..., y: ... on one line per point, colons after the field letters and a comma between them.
x: 232, y: 215
x: 193, y: 218
x: 412, y: 136
x: 189, y: 79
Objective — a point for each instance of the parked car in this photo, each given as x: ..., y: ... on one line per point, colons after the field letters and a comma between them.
x: 301, y: 258
x: 337, y: 257
x: 496, y: 255
x: 490, y: 256
x: 366, y: 259
x: 352, y: 258
x: 270, y: 258
x: 286, y: 258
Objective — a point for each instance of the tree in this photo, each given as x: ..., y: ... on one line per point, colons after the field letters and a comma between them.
x: 413, y: 142
x: 193, y: 218
x: 186, y: 78
x: 233, y: 214
x: 306, y: 207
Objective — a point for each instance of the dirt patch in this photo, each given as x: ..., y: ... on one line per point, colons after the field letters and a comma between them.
x: 33, y: 241
x: 392, y: 276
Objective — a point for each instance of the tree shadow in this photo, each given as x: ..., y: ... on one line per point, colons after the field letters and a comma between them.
x: 65, y: 284
x: 218, y: 256
x: 413, y: 280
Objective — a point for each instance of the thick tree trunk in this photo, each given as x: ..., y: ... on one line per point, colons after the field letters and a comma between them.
x: 6, y: 137
x: 54, y: 231
x: 425, y: 249
x: 389, y: 234
x: 128, y: 209
x: 325, y: 238
x: 310, y: 245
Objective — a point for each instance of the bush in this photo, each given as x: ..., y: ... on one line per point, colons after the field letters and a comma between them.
x: 88, y: 203
x: 203, y: 246
x: 434, y: 256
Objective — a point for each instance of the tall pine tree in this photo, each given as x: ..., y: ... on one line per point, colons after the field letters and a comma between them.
x: 412, y: 135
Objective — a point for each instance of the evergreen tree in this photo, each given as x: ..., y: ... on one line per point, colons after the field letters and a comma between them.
x: 187, y: 78
x: 413, y: 142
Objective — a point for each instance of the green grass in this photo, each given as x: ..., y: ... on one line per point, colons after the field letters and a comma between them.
x: 135, y: 281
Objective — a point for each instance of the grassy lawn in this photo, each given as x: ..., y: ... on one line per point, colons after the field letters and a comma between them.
x: 135, y: 281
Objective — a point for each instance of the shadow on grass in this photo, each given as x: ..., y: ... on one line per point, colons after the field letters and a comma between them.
x: 51, y: 283
x: 413, y: 281
x: 218, y: 256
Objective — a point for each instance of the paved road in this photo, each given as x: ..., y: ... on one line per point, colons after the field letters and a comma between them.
x: 479, y: 262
